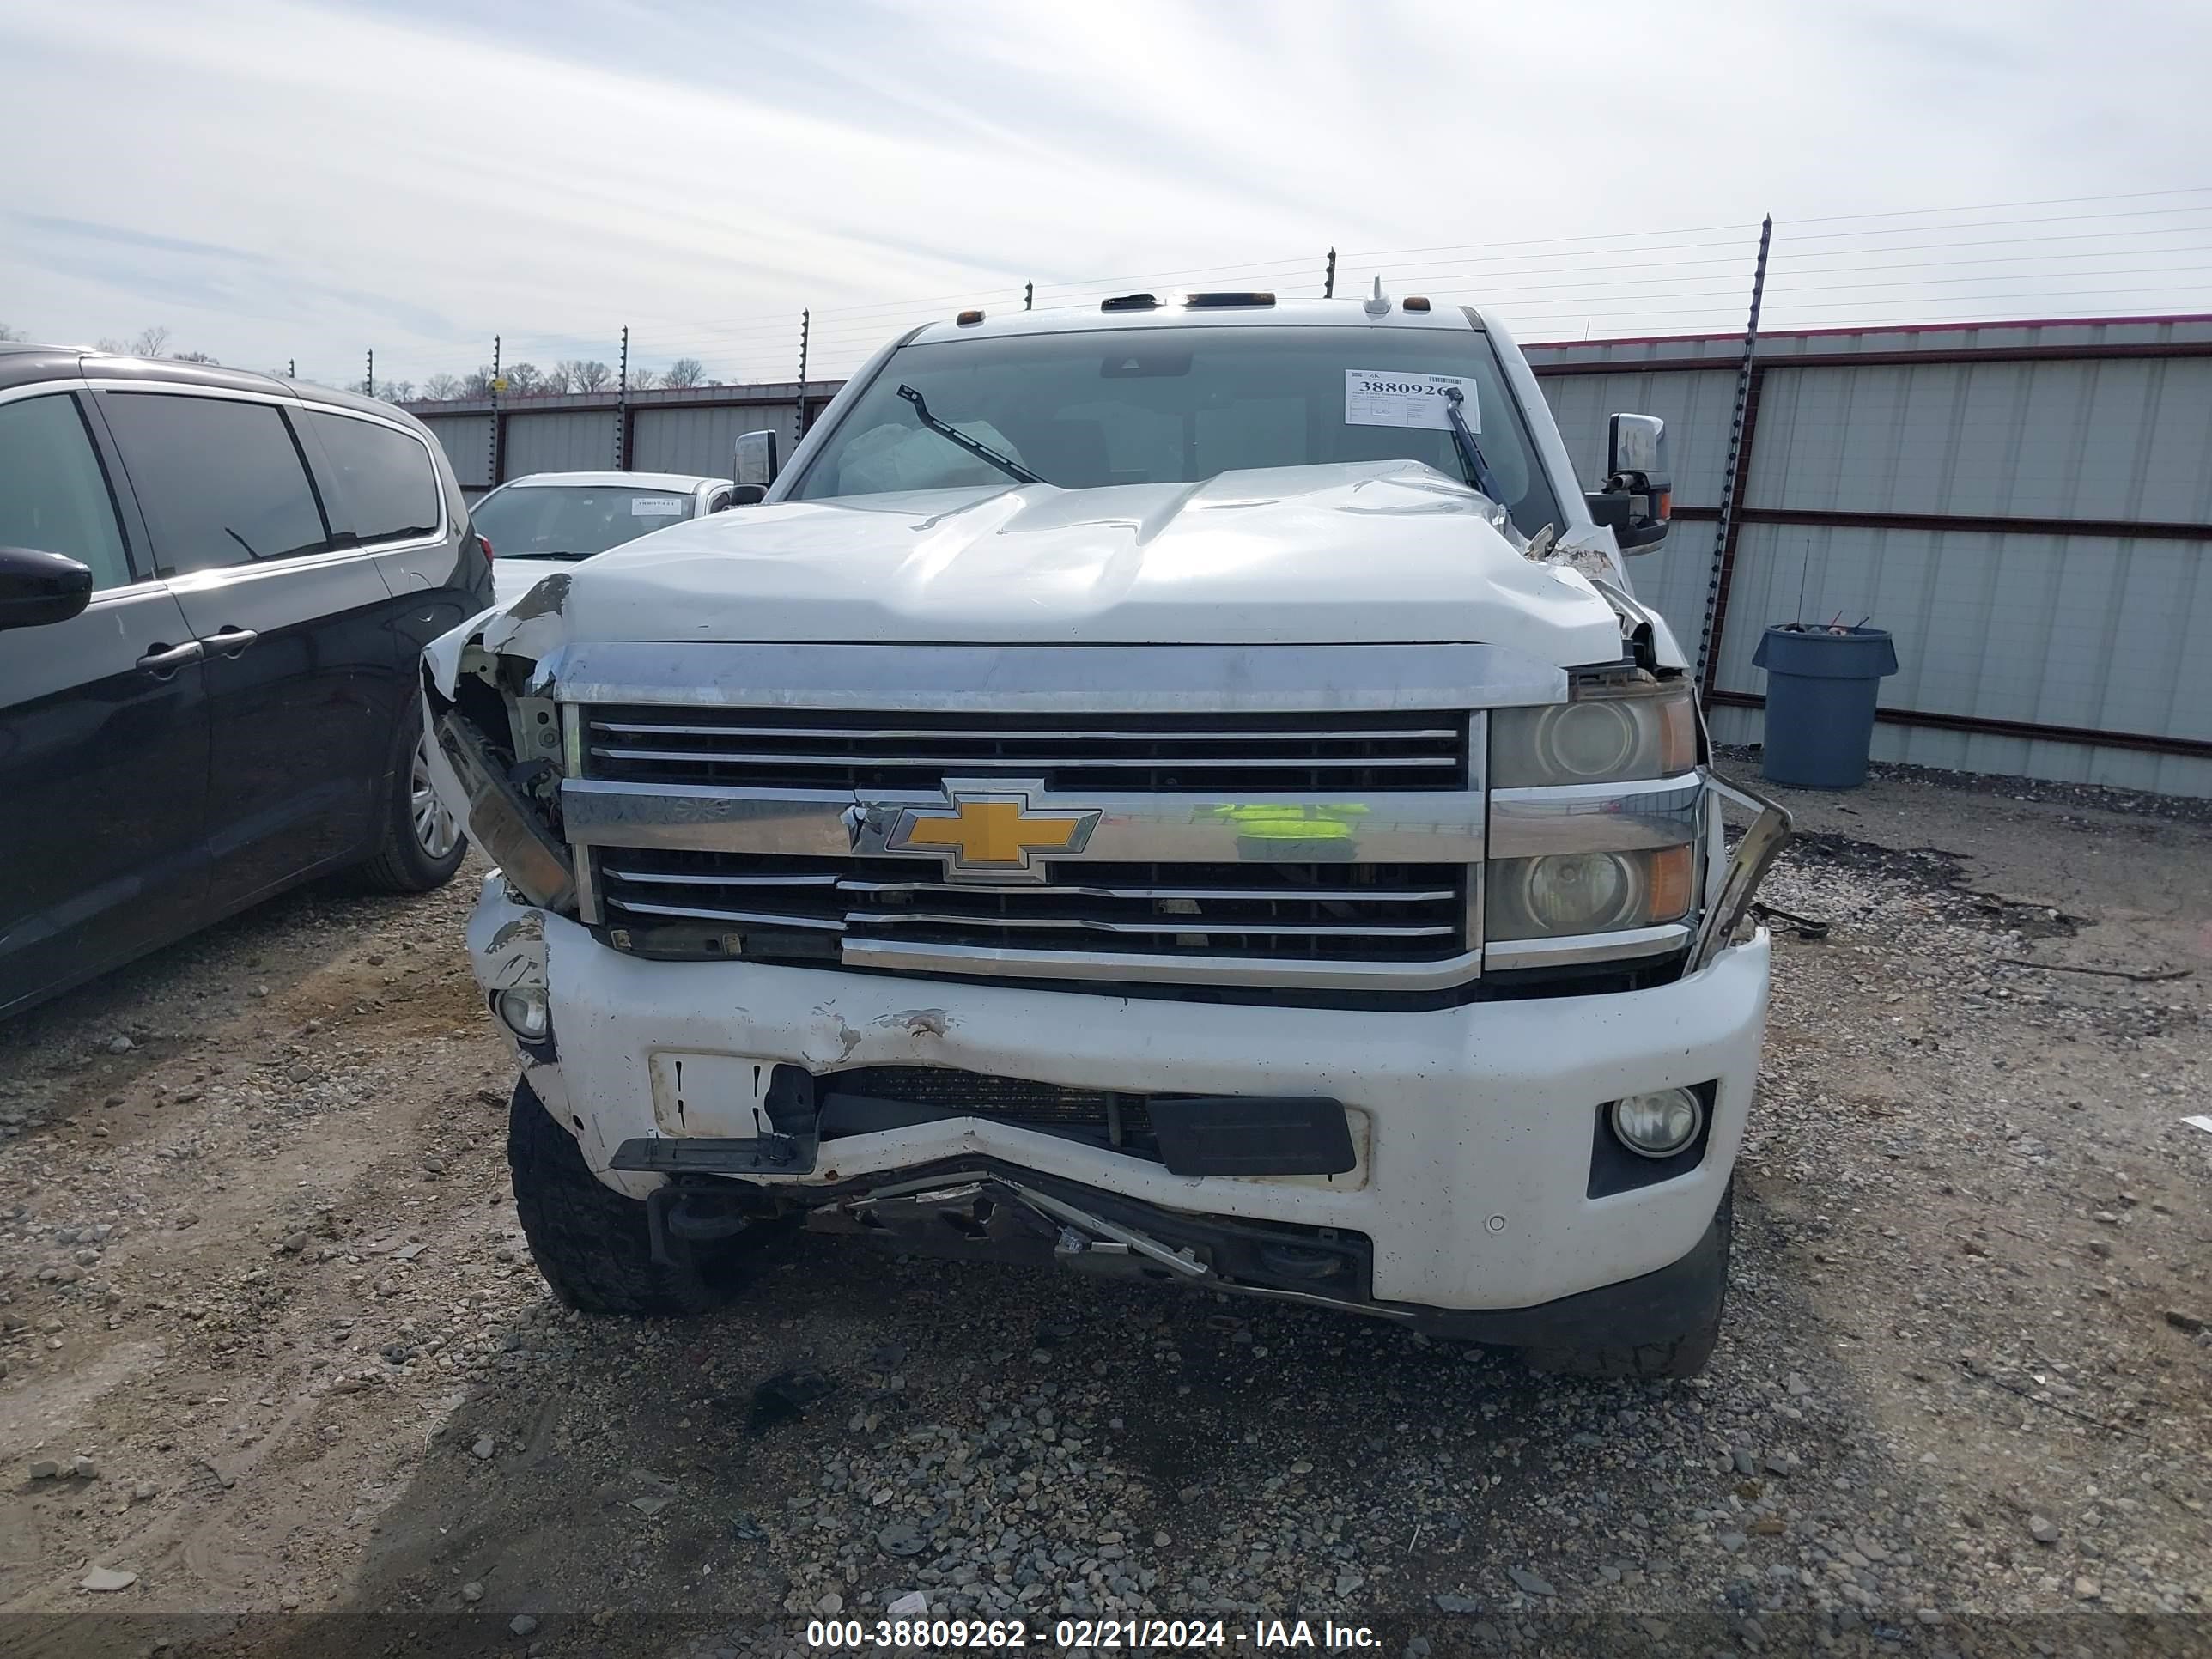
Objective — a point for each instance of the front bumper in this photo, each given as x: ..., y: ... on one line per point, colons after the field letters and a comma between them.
x: 1473, y: 1123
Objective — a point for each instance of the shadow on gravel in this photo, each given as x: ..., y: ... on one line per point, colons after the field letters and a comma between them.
x: 1013, y: 1442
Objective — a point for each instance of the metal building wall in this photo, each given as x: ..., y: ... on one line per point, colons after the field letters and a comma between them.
x: 466, y: 440
x: 2026, y: 508
x: 563, y: 441
x: 679, y: 438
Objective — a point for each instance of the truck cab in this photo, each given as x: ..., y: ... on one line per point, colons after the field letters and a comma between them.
x: 1183, y: 790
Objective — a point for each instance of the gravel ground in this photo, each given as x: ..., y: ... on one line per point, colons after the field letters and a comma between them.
x: 259, y: 1271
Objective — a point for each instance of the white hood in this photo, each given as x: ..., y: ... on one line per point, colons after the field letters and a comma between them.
x: 1371, y: 552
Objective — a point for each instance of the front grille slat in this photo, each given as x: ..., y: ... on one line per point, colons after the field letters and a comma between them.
x: 966, y: 763
x: 1330, y: 912
x: 766, y: 749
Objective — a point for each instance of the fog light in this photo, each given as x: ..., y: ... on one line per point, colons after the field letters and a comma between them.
x: 525, y: 1014
x: 1659, y: 1124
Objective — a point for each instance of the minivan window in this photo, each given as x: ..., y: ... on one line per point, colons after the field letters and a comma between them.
x: 54, y: 493
x: 1179, y: 404
x: 386, y: 484
x: 221, y: 480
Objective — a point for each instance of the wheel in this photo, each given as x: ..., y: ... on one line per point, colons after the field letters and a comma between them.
x: 421, y: 846
x: 590, y: 1243
x: 1682, y: 1355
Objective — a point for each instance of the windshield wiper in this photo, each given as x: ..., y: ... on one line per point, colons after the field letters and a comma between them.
x: 549, y: 553
x: 1470, y: 452
x: 982, y: 452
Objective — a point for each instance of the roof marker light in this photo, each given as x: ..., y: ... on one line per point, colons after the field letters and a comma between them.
x: 968, y: 316
x: 1414, y: 302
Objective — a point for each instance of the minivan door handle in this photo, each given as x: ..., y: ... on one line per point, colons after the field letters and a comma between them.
x: 163, y: 660
x: 229, y: 642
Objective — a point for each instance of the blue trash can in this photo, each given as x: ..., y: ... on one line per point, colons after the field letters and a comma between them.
x: 1821, y: 689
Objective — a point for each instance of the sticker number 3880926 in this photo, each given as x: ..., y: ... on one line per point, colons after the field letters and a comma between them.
x: 1374, y: 397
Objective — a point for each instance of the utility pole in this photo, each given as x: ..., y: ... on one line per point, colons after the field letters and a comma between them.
x: 622, y: 406
x: 1733, y: 474
x: 1328, y: 277
x: 1028, y: 295
x: 291, y: 368
x: 368, y: 386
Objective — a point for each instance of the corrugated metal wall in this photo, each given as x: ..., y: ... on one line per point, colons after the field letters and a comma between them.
x: 2026, y: 507
x: 679, y: 438
x: 466, y: 440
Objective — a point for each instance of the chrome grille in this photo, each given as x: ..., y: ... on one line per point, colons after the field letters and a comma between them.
x: 780, y: 749
x: 1267, y: 909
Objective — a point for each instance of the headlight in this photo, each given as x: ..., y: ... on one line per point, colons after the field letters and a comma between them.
x: 1604, y: 736
x: 1569, y: 893
x: 1659, y: 1124
x: 525, y: 1014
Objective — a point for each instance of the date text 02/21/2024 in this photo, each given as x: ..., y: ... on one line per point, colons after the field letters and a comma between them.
x: 1093, y: 1634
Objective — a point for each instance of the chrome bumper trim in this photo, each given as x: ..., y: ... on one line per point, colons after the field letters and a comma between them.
x: 1627, y: 945
x: 1179, y: 969
x: 1596, y: 817
x: 1398, y: 827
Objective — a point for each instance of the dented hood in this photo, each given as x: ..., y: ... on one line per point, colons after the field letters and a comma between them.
x: 1371, y: 552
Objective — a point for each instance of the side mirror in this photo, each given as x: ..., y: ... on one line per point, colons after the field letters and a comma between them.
x: 37, y: 588
x: 752, y: 465
x: 1639, y: 487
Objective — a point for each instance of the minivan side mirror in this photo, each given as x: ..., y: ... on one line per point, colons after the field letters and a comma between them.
x: 752, y: 466
x: 37, y: 588
x: 1639, y: 487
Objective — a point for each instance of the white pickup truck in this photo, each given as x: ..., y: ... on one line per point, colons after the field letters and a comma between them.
x: 1183, y: 791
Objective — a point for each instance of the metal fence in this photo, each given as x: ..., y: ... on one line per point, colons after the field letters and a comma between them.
x: 2026, y: 506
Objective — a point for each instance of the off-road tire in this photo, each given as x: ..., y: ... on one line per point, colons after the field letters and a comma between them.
x: 1685, y: 1355
x: 590, y: 1243
x: 401, y: 863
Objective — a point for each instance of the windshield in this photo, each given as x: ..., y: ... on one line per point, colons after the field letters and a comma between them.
x: 1125, y: 406
x: 573, y: 520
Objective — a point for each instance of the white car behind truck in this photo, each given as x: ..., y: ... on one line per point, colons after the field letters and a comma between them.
x: 546, y: 521
x: 1183, y: 791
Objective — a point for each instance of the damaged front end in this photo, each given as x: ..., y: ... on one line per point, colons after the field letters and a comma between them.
x: 499, y: 745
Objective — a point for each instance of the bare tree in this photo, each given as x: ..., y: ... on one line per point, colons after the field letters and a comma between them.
x: 685, y: 371
x: 149, y: 342
x: 397, y: 391
x: 562, y: 377
x: 8, y: 333
x: 193, y: 357
x: 479, y: 383
x: 642, y: 380
x: 441, y: 388
x: 525, y: 378
x: 591, y: 375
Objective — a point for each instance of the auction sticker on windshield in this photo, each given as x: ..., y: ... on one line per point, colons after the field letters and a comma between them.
x: 656, y: 506
x: 1379, y: 397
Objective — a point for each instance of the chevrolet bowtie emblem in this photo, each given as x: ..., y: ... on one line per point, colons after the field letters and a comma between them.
x: 987, y: 832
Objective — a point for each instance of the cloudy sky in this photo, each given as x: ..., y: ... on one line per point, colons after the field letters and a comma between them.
x: 307, y: 181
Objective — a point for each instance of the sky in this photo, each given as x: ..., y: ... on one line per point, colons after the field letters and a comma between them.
x: 304, y: 183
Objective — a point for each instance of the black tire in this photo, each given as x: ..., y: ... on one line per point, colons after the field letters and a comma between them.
x: 590, y: 1243
x: 416, y: 850
x: 1684, y: 1355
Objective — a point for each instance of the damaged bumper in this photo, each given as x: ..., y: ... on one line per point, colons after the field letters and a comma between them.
x: 1458, y: 1178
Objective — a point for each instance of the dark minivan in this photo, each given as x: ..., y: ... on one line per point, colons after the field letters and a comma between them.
x: 215, y: 587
